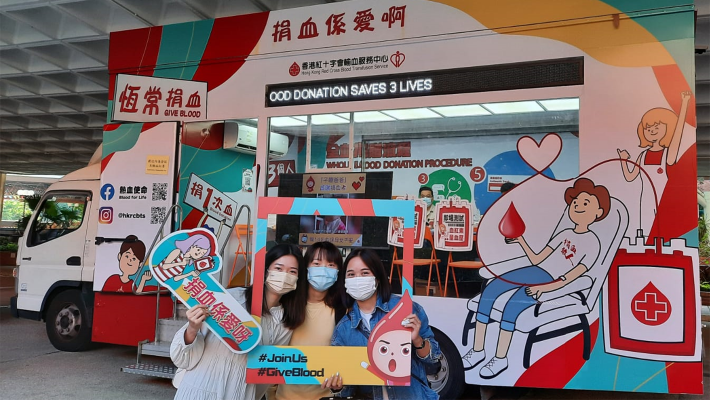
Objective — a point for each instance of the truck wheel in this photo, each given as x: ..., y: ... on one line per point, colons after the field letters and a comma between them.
x: 67, y: 322
x: 449, y: 382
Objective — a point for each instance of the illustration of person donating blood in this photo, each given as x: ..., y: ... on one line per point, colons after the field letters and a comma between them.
x: 568, y: 255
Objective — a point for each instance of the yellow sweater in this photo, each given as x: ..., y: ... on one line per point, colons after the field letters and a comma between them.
x: 316, y: 330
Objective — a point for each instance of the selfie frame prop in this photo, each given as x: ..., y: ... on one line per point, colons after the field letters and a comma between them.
x: 313, y: 364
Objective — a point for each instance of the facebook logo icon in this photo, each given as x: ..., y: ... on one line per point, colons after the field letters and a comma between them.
x: 107, y: 191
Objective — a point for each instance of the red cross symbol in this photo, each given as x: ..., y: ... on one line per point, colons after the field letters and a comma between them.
x: 650, y: 311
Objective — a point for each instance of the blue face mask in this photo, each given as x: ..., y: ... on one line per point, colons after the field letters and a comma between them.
x: 427, y: 201
x: 322, y: 278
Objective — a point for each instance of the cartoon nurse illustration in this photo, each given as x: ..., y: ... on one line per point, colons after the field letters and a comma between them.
x: 660, y: 132
x: 389, y: 347
x: 130, y: 257
x: 191, y: 257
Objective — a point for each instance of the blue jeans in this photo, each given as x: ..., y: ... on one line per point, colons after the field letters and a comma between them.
x: 519, y: 301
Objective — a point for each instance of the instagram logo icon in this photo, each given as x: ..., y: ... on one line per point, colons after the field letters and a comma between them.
x: 105, y: 215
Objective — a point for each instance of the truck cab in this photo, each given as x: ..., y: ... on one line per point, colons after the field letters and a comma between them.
x: 56, y: 260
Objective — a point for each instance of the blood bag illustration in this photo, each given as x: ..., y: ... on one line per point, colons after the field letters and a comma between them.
x: 651, y: 302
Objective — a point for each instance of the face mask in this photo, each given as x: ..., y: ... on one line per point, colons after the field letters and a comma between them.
x: 322, y: 278
x: 281, y: 282
x: 361, y: 288
x: 427, y: 201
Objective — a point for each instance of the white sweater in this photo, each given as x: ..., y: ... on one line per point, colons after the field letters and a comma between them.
x: 212, y: 371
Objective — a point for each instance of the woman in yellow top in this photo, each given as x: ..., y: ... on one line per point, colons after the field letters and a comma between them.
x: 322, y: 310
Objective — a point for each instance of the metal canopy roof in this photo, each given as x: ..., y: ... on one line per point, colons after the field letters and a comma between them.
x: 54, y: 77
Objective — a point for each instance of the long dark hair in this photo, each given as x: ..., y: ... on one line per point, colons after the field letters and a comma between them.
x: 329, y: 252
x: 373, y: 262
x: 292, y: 299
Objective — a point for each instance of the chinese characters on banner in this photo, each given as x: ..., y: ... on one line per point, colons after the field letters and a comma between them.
x: 453, y: 226
x: 148, y: 99
x: 345, y: 183
x: 395, y: 231
x: 193, y: 282
x: 276, y: 168
x: 204, y: 197
x: 340, y: 24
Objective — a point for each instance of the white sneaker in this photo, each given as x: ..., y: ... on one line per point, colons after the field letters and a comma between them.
x: 494, y: 367
x: 473, y: 358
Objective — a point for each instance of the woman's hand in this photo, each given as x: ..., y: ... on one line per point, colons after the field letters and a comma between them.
x: 623, y: 154
x: 412, y: 321
x: 196, y: 316
x: 335, y: 382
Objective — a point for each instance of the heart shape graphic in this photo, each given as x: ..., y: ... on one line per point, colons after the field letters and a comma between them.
x: 540, y: 156
x: 357, y: 185
x: 397, y: 59
x: 362, y: 178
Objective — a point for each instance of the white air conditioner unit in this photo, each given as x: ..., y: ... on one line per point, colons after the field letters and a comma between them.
x: 242, y: 138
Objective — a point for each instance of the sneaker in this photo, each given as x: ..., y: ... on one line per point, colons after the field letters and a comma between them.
x: 472, y: 359
x: 494, y: 368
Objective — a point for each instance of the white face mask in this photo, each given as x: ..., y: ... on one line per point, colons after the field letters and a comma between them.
x: 281, y: 282
x: 361, y: 288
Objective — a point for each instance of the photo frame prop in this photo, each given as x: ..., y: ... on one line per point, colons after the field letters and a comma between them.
x: 313, y: 364
x: 395, y: 231
x: 453, y: 225
x: 187, y: 263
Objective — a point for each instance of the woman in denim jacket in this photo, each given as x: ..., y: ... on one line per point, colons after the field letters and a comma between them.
x: 369, y: 298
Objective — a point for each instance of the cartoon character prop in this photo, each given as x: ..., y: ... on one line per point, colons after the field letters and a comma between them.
x: 389, y: 348
x: 186, y: 262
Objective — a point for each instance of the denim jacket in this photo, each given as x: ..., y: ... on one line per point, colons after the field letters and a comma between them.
x: 351, y: 331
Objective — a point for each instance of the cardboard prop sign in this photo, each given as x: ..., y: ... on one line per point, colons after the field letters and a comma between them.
x: 453, y: 226
x: 185, y: 262
x: 395, y: 231
x: 358, y: 365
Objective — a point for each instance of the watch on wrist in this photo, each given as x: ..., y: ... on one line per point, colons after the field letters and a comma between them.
x: 422, y: 346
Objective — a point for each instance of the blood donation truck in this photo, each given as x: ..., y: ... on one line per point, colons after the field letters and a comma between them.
x: 588, y: 107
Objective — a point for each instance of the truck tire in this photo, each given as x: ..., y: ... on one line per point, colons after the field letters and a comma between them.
x: 67, y: 322
x: 449, y: 382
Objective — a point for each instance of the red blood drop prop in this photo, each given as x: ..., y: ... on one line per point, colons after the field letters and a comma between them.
x: 511, y: 226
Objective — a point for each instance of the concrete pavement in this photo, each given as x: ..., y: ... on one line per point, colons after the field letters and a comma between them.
x: 31, y: 368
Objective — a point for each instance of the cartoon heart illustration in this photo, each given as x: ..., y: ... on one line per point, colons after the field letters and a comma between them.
x: 362, y: 178
x: 357, y: 185
x: 540, y: 156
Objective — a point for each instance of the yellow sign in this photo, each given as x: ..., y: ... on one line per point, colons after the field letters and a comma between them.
x: 333, y: 183
x: 157, y: 165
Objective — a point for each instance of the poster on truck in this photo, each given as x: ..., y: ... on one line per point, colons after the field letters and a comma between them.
x: 138, y: 170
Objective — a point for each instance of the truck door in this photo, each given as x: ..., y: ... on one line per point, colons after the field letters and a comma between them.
x: 54, y: 246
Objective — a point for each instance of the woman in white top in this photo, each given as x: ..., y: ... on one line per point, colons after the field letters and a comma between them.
x: 212, y: 371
